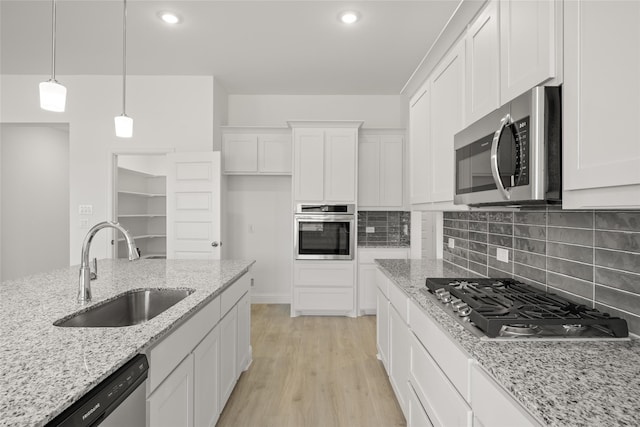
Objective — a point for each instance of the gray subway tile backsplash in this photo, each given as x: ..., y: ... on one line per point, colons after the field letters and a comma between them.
x: 592, y: 257
x: 391, y: 229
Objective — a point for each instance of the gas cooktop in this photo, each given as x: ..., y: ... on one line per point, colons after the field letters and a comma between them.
x: 506, y: 308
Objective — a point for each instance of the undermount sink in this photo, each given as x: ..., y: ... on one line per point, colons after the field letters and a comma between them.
x: 127, y: 309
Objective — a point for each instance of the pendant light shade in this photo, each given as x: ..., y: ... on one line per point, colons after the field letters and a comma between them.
x: 124, y: 123
x: 53, y: 95
x: 124, y: 126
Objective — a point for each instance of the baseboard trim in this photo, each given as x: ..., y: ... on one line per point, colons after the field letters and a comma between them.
x: 271, y: 299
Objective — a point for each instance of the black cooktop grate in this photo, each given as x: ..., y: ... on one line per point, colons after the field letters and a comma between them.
x: 499, y: 303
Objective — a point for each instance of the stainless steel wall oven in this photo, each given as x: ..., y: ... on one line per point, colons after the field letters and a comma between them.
x: 324, y: 232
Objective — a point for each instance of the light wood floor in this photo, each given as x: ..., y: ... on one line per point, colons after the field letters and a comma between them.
x: 312, y: 372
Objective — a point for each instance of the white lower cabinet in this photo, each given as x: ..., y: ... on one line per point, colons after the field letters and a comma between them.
x: 436, y: 382
x: 207, y: 377
x: 493, y: 406
x: 192, y: 371
x: 323, y: 288
x: 171, y: 404
x: 367, y: 272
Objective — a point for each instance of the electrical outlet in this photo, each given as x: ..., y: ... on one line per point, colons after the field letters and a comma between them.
x: 502, y: 255
x: 85, y: 209
x: 371, y: 229
x: 84, y: 223
x: 452, y: 242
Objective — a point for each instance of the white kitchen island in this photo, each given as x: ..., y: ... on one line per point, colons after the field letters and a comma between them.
x: 45, y: 368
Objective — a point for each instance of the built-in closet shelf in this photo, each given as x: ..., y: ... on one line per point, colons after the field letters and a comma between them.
x: 145, y: 236
x: 140, y: 173
x: 135, y: 193
x: 142, y: 215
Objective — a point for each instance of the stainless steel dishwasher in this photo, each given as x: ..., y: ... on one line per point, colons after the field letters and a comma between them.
x: 118, y: 401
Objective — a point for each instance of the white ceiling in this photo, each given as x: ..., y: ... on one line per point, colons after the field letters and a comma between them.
x: 251, y: 47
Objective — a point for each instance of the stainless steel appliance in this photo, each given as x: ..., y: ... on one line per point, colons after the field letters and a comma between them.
x: 324, y: 232
x: 119, y: 400
x: 508, y: 309
x: 513, y: 155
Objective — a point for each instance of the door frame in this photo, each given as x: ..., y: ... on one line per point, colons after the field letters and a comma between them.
x: 112, y: 184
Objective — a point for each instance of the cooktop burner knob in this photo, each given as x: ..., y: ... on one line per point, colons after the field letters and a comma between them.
x: 446, y: 297
x: 464, y: 310
x: 439, y: 292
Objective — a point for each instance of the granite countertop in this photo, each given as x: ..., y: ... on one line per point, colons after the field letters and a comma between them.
x: 562, y: 384
x: 45, y: 368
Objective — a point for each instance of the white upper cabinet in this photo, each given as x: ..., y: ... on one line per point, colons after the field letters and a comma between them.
x: 512, y: 46
x: 528, y: 45
x: 381, y: 171
x: 447, y: 118
x: 482, y: 64
x: 601, y: 104
x: 325, y: 161
x: 419, y: 139
x: 255, y: 152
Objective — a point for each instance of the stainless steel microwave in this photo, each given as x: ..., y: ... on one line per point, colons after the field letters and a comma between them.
x: 324, y: 232
x: 513, y: 156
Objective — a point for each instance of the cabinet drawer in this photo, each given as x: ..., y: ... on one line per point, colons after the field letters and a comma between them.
x: 453, y: 361
x: 493, y: 406
x: 417, y: 415
x: 168, y: 353
x: 233, y: 293
x: 324, y: 273
x: 399, y: 299
x: 323, y: 299
x: 442, y: 402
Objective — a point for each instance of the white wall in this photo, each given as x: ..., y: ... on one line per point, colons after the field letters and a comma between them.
x: 168, y: 112
x: 377, y: 111
x: 220, y: 113
x: 260, y: 227
x: 35, y: 199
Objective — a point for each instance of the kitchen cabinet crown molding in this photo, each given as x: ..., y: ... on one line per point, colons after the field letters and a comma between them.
x: 325, y: 124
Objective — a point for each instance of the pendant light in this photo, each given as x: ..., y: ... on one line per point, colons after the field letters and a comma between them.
x: 124, y: 123
x: 53, y: 95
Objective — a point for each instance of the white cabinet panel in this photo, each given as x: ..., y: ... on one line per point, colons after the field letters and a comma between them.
x: 244, y: 333
x: 340, y: 165
x: 171, y: 404
x: 447, y: 101
x: 483, y: 64
x: 323, y: 273
x: 240, y: 153
x: 228, y: 354
x: 274, y: 154
x: 527, y: 45
x: 380, y: 171
x: 325, y: 300
x: 207, y: 380
x: 493, y: 406
x: 309, y: 165
x: 419, y: 145
x: 367, y: 289
x: 601, y: 99
x: 382, y: 328
x: 417, y: 415
x: 399, y: 356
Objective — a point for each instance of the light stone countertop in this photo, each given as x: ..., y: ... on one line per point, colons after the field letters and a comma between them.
x: 562, y: 384
x: 45, y: 368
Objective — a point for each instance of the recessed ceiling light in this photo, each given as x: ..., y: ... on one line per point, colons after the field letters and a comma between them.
x: 349, y: 17
x: 169, y: 17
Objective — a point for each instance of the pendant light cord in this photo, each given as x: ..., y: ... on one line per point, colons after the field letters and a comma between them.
x: 53, y: 42
x: 124, y: 57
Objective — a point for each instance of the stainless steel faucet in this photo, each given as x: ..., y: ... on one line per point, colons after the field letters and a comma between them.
x: 84, y: 291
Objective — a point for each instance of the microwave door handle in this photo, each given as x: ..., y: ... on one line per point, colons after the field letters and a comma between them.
x: 506, y: 121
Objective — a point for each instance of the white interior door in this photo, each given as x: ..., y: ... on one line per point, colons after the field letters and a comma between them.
x: 193, y: 205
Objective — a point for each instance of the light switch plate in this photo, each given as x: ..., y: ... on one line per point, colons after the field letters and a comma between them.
x: 371, y: 229
x: 452, y: 242
x: 502, y: 255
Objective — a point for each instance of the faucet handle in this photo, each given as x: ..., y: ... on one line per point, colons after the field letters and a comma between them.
x: 94, y: 274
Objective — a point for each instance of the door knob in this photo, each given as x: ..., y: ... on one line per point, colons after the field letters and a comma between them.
x: 215, y: 244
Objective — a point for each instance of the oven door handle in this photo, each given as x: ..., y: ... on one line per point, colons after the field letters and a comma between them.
x: 495, y: 171
x: 325, y: 218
